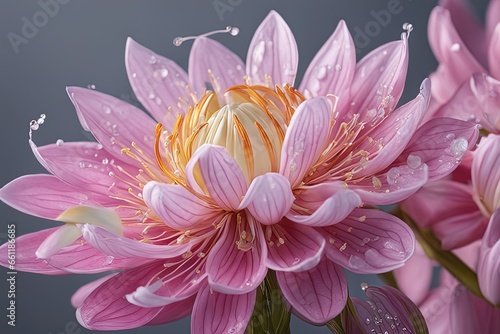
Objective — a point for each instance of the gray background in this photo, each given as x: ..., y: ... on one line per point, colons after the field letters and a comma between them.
x: 84, y: 44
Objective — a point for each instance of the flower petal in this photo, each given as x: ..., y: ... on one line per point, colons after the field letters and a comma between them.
x: 62, y: 237
x: 233, y: 269
x: 332, y: 69
x: 48, y: 195
x: 272, y: 52
x: 293, y: 247
x: 173, y: 312
x: 103, y: 217
x: 494, y: 51
x: 121, y: 247
x: 107, y: 309
x: 369, y: 241
x: 379, y: 78
x: 211, y: 62
x: 305, y: 138
x: 220, y: 176
x: 176, y: 206
x: 215, y: 312
x: 158, y: 82
x: 318, y: 294
x: 268, y: 198
x: 488, y: 269
x: 114, y: 123
x: 334, y: 209
x: 84, y: 291
x: 440, y: 143
x: 486, y: 174
x: 492, y: 18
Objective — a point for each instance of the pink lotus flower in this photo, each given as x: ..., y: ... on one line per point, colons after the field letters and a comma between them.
x: 465, y: 85
x: 251, y: 177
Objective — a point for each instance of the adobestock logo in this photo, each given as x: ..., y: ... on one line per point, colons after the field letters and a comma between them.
x: 381, y: 19
x: 31, y: 26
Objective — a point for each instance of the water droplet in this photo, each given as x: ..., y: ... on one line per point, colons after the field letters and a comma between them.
x: 41, y: 120
x: 364, y: 286
x: 178, y: 41
x: 81, y: 164
x: 458, y: 147
x: 91, y: 87
x: 152, y: 60
x: 107, y: 110
x: 134, y: 75
x: 450, y: 136
x: 367, y: 321
x: 455, y: 47
x: 151, y: 95
x: 105, y: 161
x: 321, y: 73
x: 414, y: 161
x: 161, y: 73
x: 109, y: 259
x: 233, y: 31
x: 59, y: 142
x: 392, y: 175
x: 338, y: 67
x: 34, y: 125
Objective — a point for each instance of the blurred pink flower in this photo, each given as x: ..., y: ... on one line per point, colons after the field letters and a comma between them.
x: 231, y: 183
x: 465, y: 85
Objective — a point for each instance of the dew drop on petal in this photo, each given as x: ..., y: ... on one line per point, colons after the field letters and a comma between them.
x: 109, y: 259
x: 450, y: 136
x: 105, y: 161
x: 414, y: 161
x: 455, y: 47
x: 364, y: 286
x: 59, y: 142
x: 258, y: 53
x: 321, y: 73
x: 338, y: 67
x: 161, y: 73
x: 458, y: 147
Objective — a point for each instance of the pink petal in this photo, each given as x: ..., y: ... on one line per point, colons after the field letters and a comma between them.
x: 272, y: 52
x: 176, y: 206
x: 457, y: 63
x: 440, y: 143
x: 489, y: 267
x: 211, y: 62
x: 114, y: 123
x: 121, y: 247
x: 393, y: 186
x: 158, y: 83
x: 369, y: 241
x: 305, y: 138
x: 268, y: 198
x: 145, y: 296
x: 419, y: 265
x: 84, y: 291
x: 319, y: 294
x: 293, y: 247
x: 395, y: 131
x: 492, y: 18
x: 232, y: 268
x: 107, y: 309
x: 334, y: 209
x: 48, y: 195
x: 221, y: 175
x: 379, y: 78
x: 215, y: 312
x: 486, y: 174
x: 173, y: 312
x: 459, y: 230
x: 494, y: 51
x: 332, y: 69
x: 471, y: 314
x: 62, y: 237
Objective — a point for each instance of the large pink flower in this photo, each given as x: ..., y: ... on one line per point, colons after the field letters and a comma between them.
x: 253, y: 176
x: 465, y: 85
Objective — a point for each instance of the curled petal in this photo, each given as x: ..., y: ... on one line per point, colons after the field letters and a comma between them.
x: 220, y: 176
x: 213, y: 63
x: 63, y: 236
x: 318, y: 294
x: 114, y: 123
x: 369, y: 241
x: 216, y: 312
x: 176, y: 206
x: 489, y: 267
x: 268, y: 198
x: 332, y: 69
x: 272, y: 52
x: 494, y: 51
x: 158, y: 82
x: 231, y: 266
x: 486, y: 174
x: 121, y: 247
x: 293, y: 247
x: 492, y: 18
x: 305, y: 138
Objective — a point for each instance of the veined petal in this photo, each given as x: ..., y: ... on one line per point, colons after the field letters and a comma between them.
x: 292, y: 247
x: 231, y: 267
x: 121, y: 247
x: 48, y: 196
x: 173, y: 312
x: 158, y: 82
x: 318, y: 294
x: 486, y: 174
x: 488, y: 269
x: 213, y: 169
x: 440, y: 143
x: 272, y: 52
x: 216, y: 312
x: 211, y: 62
x: 107, y: 309
x: 332, y: 69
x: 494, y: 51
x: 268, y: 198
x: 305, y: 138
x: 334, y: 209
x: 459, y: 230
x: 369, y: 241
x: 114, y: 123
x: 176, y: 206
x: 63, y: 236
x: 392, y: 186
x: 145, y: 296
x: 85, y: 290
x: 379, y: 78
